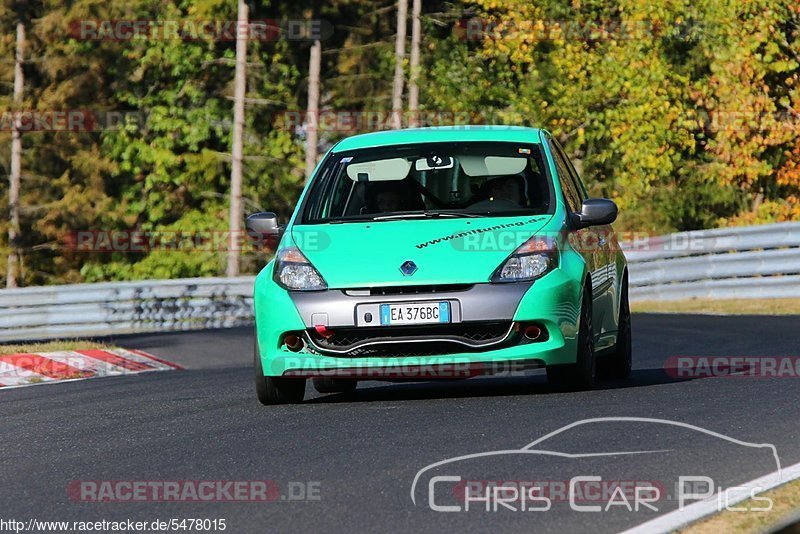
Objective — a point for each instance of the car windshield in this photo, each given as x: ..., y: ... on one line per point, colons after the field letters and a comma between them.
x: 431, y: 180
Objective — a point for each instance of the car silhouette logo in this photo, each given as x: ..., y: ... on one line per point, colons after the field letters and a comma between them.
x: 408, y: 268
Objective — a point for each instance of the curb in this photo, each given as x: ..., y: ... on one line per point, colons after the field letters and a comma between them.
x: 34, y: 368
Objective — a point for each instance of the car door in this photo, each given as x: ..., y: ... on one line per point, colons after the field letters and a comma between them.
x: 583, y: 238
x: 604, y: 276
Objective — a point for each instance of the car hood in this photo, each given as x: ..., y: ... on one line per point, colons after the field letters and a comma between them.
x: 445, y: 251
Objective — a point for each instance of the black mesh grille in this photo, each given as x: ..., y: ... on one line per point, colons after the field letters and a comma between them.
x: 412, y: 340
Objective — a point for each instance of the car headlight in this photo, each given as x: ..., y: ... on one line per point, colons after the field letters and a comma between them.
x: 533, y: 259
x: 294, y: 271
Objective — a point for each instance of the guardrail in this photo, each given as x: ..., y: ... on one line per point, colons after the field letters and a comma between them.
x: 125, y: 307
x: 746, y: 262
x: 758, y: 261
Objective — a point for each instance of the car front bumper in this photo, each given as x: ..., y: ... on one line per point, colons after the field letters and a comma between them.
x: 552, y: 302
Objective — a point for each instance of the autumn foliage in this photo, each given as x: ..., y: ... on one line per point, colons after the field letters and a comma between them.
x: 685, y: 112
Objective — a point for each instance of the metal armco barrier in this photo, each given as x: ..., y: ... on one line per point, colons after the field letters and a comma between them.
x: 749, y: 262
x: 125, y: 307
x: 746, y: 262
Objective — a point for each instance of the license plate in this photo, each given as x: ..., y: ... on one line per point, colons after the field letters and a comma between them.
x: 415, y: 313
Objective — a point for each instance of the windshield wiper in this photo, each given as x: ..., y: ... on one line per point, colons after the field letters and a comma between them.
x: 429, y: 214
x: 357, y: 218
x: 459, y: 214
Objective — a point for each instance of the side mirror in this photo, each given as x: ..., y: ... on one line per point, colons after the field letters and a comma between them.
x: 264, y: 222
x: 595, y: 212
x: 264, y: 229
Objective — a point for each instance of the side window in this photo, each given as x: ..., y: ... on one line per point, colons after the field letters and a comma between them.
x: 573, y: 197
x: 341, y: 193
x: 575, y: 178
x: 317, y: 197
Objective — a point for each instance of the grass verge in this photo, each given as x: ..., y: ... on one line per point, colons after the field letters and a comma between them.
x: 785, y: 501
x: 51, y: 346
x: 720, y: 307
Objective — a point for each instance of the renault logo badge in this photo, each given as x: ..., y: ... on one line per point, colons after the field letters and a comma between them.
x: 408, y: 268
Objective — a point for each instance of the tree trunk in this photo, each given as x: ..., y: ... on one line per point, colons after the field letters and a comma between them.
x: 399, y: 53
x: 758, y: 199
x: 312, y: 109
x: 235, y: 215
x: 413, y: 88
x: 16, y: 162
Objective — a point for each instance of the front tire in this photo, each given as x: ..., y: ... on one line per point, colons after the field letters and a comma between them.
x: 276, y: 389
x: 581, y: 374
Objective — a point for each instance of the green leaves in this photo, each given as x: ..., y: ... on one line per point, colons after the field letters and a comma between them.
x: 652, y: 97
x: 683, y: 111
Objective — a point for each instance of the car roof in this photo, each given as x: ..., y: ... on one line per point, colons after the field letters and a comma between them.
x: 441, y: 134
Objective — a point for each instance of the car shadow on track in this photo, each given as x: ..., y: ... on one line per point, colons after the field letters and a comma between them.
x: 492, y: 386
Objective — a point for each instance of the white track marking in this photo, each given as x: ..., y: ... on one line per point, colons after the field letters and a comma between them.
x: 700, y: 509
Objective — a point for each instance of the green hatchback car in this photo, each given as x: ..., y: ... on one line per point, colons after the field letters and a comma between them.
x: 441, y: 253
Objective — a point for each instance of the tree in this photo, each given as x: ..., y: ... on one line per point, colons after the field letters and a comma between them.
x: 312, y: 110
x: 413, y: 88
x: 235, y: 213
x: 16, y: 155
x: 399, y: 53
x: 683, y: 111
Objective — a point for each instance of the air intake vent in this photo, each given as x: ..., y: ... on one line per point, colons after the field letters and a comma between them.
x: 407, y: 290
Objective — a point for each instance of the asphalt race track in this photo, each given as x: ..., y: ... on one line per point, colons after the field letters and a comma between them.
x: 357, y: 457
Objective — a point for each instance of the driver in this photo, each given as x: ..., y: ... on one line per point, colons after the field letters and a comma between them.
x: 384, y: 197
x: 387, y: 201
x: 505, y: 194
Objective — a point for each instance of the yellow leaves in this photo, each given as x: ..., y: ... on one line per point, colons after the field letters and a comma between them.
x: 769, y: 211
x: 789, y: 173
